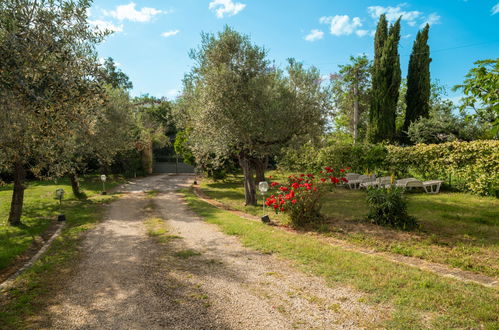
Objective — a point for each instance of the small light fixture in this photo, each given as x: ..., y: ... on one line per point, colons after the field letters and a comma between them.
x: 103, y: 179
x: 59, y: 194
x: 264, y: 187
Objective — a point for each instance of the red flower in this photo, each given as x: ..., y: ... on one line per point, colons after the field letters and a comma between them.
x: 302, y: 175
x: 292, y: 193
x: 282, y: 209
x: 295, y: 185
x: 349, y: 168
x: 293, y: 201
x: 321, y: 172
x: 276, y: 206
x: 330, y: 170
x: 273, y: 184
x: 270, y: 176
x: 283, y: 188
x: 281, y: 202
x: 342, y: 171
x: 344, y: 179
x: 288, y: 196
x: 323, y: 180
x: 334, y: 179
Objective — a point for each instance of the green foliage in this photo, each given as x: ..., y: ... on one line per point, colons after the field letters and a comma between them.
x: 182, y: 149
x: 439, y: 129
x: 359, y: 157
x: 388, y: 207
x: 351, y: 88
x: 482, y: 93
x: 385, y: 82
x: 472, y: 166
x: 418, y: 80
x: 113, y: 76
x: 468, y: 166
x: 49, y: 92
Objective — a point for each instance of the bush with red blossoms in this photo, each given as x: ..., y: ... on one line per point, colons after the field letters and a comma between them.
x: 301, y: 198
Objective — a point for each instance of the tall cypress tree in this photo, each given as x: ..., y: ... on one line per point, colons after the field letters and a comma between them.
x: 386, y: 82
x: 417, y: 97
x: 376, y: 106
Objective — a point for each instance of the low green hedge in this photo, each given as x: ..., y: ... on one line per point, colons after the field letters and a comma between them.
x: 469, y: 166
x: 466, y: 166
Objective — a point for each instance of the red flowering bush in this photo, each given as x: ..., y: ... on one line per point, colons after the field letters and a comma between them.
x: 301, y: 198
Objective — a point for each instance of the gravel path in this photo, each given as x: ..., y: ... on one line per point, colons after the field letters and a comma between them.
x: 202, y: 280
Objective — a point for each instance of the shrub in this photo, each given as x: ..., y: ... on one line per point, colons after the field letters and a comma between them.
x: 388, y: 207
x: 301, y: 197
x: 360, y: 157
x: 467, y: 166
x: 472, y: 166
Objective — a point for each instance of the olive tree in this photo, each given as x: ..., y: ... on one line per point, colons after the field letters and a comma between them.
x: 47, y: 87
x: 234, y: 103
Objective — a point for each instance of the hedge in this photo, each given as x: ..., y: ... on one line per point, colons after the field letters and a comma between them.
x: 466, y: 166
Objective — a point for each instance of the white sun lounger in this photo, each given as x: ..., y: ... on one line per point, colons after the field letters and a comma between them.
x: 430, y: 187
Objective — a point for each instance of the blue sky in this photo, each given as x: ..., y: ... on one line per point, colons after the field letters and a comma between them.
x: 153, y: 37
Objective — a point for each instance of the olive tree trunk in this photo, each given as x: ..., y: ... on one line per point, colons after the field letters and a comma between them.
x: 16, y: 206
x: 249, y: 181
x: 260, y: 166
x: 75, y: 185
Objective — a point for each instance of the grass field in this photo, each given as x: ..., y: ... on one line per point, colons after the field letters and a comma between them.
x: 35, y: 286
x: 413, y: 298
x: 39, y: 211
x: 460, y: 230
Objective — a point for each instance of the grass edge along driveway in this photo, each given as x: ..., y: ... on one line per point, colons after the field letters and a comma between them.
x: 32, y: 290
x: 419, y: 298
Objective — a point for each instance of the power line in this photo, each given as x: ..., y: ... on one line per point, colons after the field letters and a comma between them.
x: 431, y: 51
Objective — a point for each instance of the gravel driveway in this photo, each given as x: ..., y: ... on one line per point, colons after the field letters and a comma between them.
x: 204, y: 279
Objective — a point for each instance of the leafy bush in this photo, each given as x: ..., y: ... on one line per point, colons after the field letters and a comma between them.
x: 388, y: 207
x: 471, y: 166
x: 440, y: 130
x: 359, y: 157
x: 301, y: 197
x: 467, y: 166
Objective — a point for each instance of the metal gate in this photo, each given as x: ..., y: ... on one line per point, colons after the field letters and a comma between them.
x: 172, y: 166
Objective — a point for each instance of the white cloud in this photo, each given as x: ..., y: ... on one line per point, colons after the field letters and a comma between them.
x: 172, y: 93
x: 123, y: 12
x: 433, y: 18
x: 170, y: 33
x: 495, y: 9
x: 361, y: 33
x: 406, y: 36
x: 393, y: 13
x: 225, y: 7
x: 105, y: 26
x: 314, y: 35
x: 341, y: 24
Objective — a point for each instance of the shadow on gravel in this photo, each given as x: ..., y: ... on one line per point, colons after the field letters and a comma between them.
x: 125, y: 281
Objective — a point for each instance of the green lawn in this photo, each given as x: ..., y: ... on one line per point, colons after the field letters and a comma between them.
x: 412, y: 298
x: 460, y: 230
x: 39, y: 211
x: 35, y: 287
